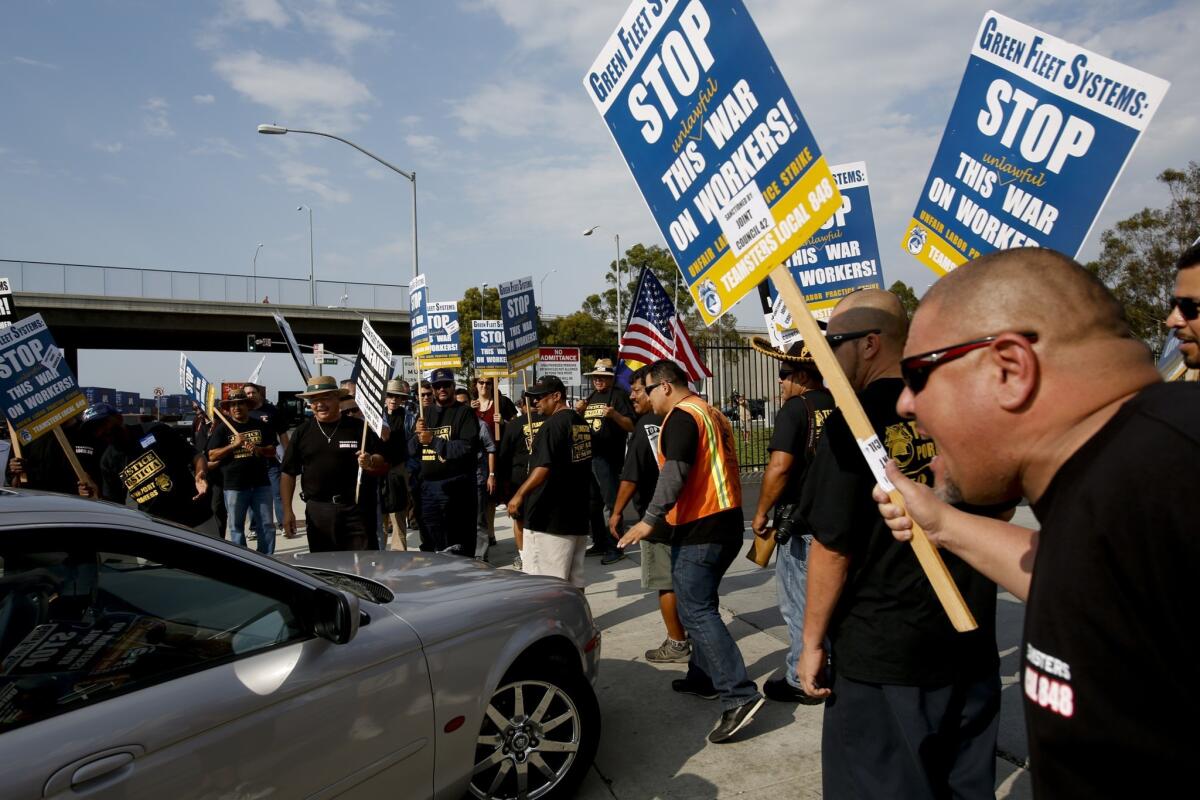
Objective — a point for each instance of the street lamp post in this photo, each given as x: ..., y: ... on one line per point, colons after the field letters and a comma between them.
x: 542, y: 284
x: 254, y: 271
x: 482, y: 292
x: 412, y: 176
x: 312, y: 279
x: 617, y: 239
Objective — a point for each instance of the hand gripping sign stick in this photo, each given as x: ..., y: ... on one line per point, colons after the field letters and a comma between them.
x: 872, y: 450
x: 69, y: 451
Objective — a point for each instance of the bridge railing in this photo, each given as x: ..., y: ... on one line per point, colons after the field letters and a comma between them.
x: 101, y: 281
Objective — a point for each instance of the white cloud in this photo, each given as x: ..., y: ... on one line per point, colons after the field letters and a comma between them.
x: 518, y: 108
x: 217, y: 146
x: 421, y: 143
x: 203, y: 99
x: 108, y: 147
x: 269, y: 12
x: 156, y: 122
x: 308, y: 177
x: 344, y: 32
x: 32, y: 62
x: 302, y: 92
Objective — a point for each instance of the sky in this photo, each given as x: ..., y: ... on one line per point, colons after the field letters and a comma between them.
x: 129, y: 132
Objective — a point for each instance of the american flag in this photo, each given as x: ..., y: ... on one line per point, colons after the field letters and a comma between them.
x: 655, y: 331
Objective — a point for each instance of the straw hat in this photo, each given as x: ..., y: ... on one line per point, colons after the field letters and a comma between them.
x: 603, y: 369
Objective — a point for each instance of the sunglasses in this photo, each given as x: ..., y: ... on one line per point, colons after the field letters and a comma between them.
x: 1189, y: 307
x: 426, y: 394
x: 915, y: 369
x: 835, y: 339
x: 650, y: 389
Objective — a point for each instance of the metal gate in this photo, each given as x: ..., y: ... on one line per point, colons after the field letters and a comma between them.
x: 745, y: 386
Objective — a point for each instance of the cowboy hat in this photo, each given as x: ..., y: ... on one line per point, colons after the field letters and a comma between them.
x: 322, y: 384
x: 236, y: 396
x: 798, y: 353
x: 603, y: 369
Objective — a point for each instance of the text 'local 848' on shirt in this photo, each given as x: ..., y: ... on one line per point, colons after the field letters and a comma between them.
x: 1111, y: 649
x: 563, y: 446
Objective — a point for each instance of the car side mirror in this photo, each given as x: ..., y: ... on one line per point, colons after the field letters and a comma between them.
x: 335, y: 615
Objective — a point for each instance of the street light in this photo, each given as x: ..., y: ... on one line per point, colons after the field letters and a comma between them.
x: 254, y: 271
x: 617, y: 239
x: 312, y: 280
x: 542, y: 284
x: 412, y: 176
x: 482, y: 291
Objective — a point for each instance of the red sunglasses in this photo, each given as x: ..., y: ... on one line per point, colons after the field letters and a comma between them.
x: 915, y: 369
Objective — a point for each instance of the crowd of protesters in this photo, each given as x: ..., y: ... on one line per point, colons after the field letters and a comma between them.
x: 1017, y: 379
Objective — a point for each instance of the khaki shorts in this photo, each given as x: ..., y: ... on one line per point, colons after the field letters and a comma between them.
x: 554, y: 554
x: 656, y: 566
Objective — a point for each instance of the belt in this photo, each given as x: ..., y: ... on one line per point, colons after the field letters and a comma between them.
x: 337, y: 499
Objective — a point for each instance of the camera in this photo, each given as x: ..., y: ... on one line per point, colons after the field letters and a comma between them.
x: 789, y: 523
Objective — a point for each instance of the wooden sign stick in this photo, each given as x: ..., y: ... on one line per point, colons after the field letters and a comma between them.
x: 69, y: 451
x: 361, y: 447
x: 225, y: 419
x: 496, y: 408
x: 846, y: 399
x: 16, y: 451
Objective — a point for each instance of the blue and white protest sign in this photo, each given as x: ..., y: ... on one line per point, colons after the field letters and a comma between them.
x: 418, y: 316
x: 487, y: 343
x: 1037, y: 138
x: 293, y: 347
x: 445, y: 337
x: 38, y: 390
x: 199, y: 389
x: 843, y: 255
x: 715, y: 141
x: 519, y: 316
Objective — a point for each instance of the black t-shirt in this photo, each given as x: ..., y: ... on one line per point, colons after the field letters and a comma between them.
x: 156, y: 467
x: 457, y: 427
x: 564, y: 446
x: 47, y: 467
x: 608, y: 440
x: 641, y: 460
x: 240, y: 469
x: 325, y: 455
x: 516, y: 444
x: 269, y: 415
x: 888, y: 626
x: 1110, y: 651
x: 679, y: 439
x: 791, y: 435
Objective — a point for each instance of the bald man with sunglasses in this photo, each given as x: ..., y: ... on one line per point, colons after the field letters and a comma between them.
x: 1043, y: 392
x: 912, y: 707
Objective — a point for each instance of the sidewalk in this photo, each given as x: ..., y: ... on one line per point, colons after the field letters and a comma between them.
x: 654, y: 744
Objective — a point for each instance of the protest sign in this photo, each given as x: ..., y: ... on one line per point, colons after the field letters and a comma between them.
x: 445, y: 336
x: 37, y: 387
x: 487, y: 342
x: 734, y: 124
x: 715, y: 141
x: 199, y: 389
x: 418, y: 317
x: 293, y: 347
x: 374, y: 370
x: 561, y: 362
x: 1037, y: 137
x: 843, y: 255
x: 519, y: 315
x: 6, y: 304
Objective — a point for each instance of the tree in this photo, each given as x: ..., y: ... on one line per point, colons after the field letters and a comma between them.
x: 662, y: 264
x: 469, y: 311
x: 1138, y: 257
x: 580, y: 328
x: 908, y: 298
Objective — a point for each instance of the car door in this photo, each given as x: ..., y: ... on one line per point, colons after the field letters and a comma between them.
x: 139, y: 664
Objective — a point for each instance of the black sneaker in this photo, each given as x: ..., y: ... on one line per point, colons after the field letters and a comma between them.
x: 595, y: 550
x: 684, y: 686
x: 781, y: 691
x: 734, y: 720
x: 612, y: 557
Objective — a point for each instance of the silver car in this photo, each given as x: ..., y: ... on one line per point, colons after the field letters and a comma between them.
x: 142, y: 660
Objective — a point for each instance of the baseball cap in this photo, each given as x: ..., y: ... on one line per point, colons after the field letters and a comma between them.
x: 441, y: 376
x: 545, y: 385
x: 98, y: 412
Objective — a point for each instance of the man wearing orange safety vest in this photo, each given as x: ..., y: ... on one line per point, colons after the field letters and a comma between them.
x: 699, y: 494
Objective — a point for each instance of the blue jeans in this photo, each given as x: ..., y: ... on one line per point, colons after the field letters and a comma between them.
x: 696, y: 571
x: 791, y: 579
x: 277, y: 501
x: 240, y: 501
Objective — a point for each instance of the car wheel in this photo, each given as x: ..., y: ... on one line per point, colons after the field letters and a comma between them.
x: 538, y: 737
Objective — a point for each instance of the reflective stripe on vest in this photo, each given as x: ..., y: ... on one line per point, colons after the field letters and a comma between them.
x: 712, y: 484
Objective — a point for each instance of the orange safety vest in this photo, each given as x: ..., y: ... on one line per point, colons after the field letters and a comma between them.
x: 712, y: 484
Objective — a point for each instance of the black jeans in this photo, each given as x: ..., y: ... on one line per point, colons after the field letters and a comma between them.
x: 339, y: 526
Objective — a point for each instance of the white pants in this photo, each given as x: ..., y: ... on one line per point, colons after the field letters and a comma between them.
x: 554, y: 554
